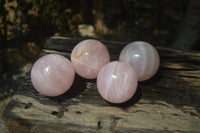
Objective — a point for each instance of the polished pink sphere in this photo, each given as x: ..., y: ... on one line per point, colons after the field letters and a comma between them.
x: 52, y: 75
x: 143, y: 57
x: 88, y: 57
x: 117, y: 82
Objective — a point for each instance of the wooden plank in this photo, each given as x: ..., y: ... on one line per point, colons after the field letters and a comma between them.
x: 169, y: 102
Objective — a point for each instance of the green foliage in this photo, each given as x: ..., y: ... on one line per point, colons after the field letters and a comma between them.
x: 63, y: 17
x: 4, y: 20
x: 50, y: 10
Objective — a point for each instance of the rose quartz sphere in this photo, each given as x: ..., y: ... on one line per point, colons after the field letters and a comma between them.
x: 143, y: 57
x: 52, y: 75
x: 88, y: 57
x: 117, y: 82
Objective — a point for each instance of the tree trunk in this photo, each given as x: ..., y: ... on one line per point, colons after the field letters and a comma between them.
x: 189, y: 32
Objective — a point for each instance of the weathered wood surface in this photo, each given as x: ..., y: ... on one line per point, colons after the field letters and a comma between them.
x: 169, y: 102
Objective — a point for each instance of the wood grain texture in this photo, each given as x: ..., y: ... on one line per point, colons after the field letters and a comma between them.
x: 169, y: 102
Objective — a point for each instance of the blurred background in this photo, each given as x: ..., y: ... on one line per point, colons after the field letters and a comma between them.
x: 25, y: 26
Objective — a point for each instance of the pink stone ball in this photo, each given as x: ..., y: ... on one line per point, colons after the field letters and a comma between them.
x: 88, y: 57
x: 117, y: 82
x: 143, y: 57
x: 52, y: 75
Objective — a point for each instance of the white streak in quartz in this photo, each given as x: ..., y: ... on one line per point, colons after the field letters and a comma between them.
x: 143, y: 67
x: 47, y: 69
x: 114, y: 76
x: 117, y: 82
x: 142, y: 57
